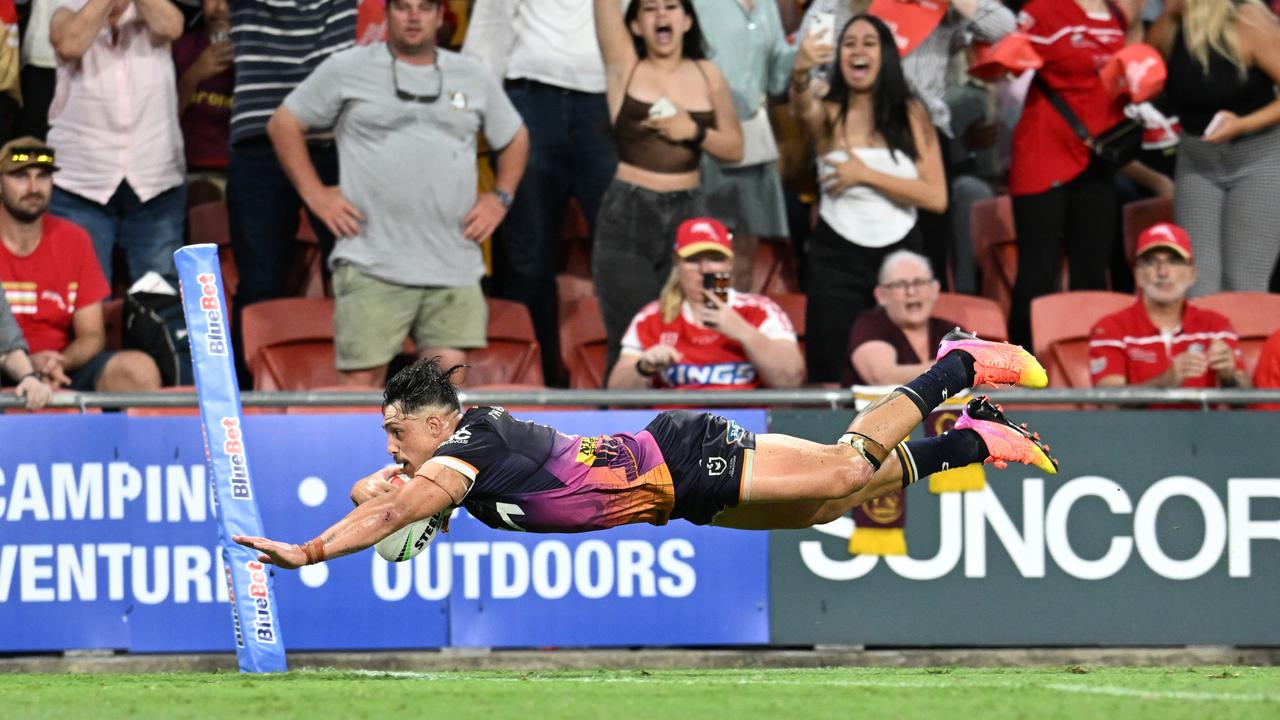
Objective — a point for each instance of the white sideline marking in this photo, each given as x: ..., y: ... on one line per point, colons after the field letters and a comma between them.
x: 755, y: 679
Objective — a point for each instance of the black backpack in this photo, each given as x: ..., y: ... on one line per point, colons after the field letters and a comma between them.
x: 154, y: 324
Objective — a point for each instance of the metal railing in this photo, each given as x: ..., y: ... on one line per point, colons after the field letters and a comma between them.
x: 552, y: 398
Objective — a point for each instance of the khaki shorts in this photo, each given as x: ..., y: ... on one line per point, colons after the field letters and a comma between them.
x: 372, y: 317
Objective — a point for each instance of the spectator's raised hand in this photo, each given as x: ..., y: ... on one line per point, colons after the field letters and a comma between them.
x: 213, y: 61
x: 335, y: 211
x: 715, y: 313
x: 483, y: 218
x: 1222, y: 360
x: 814, y: 52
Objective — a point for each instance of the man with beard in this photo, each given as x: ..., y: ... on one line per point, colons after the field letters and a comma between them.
x: 406, y: 212
x: 54, y: 284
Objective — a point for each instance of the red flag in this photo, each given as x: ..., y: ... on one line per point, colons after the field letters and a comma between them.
x: 910, y: 21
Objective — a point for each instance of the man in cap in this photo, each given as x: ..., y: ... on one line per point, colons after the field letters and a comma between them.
x: 692, y: 337
x: 54, y: 284
x: 1162, y: 340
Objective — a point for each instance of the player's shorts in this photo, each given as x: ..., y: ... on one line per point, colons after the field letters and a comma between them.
x: 710, y: 459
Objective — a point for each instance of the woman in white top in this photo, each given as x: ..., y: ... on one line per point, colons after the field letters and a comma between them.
x: 880, y: 161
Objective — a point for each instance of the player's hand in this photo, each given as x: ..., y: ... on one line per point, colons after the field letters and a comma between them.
x: 721, y: 317
x: 374, y: 484
x: 35, y: 392
x: 483, y: 218
x: 1184, y: 366
x: 283, y: 555
x: 1222, y: 360
x: 335, y: 211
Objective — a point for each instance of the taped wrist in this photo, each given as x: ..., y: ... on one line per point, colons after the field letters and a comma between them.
x: 870, y: 450
x: 314, y: 550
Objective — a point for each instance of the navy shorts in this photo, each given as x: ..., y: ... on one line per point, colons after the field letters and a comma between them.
x: 710, y: 460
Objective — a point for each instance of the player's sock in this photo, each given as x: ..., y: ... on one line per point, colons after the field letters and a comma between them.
x: 949, y: 376
x: 926, y: 456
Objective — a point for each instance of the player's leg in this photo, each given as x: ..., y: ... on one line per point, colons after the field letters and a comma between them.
x: 790, y: 469
x: 981, y: 434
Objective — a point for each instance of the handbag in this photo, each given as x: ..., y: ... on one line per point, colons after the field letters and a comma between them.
x: 1119, y: 144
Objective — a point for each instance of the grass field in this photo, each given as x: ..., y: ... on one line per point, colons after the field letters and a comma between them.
x: 845, y: 693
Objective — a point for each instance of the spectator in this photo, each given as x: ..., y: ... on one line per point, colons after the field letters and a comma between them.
x: 1064, y: 196
x: 54, y: 284
x: 276, y: 46
x: 898, y: 337
x: 925, y: 67
x: 880, y: 161
x: 409, y: 262
x: 1162, y: 340
x: 1224, y: 63
x: 39, y: 70
x: 1267, y: 374
x: 548, y: 54
x: 691, y: 338
x: 746, y: 41
x: 113, y: 122
x: 206, y: 81
x: 655, y: 53
x: 30, y: 385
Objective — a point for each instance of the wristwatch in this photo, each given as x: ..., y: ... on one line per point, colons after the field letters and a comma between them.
x: 503, y: 197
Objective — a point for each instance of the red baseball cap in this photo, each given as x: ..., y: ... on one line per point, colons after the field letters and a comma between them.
x: 1164, y: 235
x: 1137, y: 71
x: 1013, y: 53
x: 703, y: 234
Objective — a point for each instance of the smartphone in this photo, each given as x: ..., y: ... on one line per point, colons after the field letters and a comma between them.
x: 824, y: 26
x: 1217, y: 120
x: 718, y: 283
x: 662, y: 108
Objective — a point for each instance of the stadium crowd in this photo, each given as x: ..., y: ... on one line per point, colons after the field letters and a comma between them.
x: 644, y: 193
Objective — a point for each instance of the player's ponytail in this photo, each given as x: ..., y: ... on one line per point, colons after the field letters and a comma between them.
x: 421, y: 385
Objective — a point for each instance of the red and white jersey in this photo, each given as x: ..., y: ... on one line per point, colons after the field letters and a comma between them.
x: 709, y: 360
x: 1128, y: 344
x: 1074, y: 45
x: 47, y: 287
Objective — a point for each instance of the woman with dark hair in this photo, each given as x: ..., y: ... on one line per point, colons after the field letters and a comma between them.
x: 669, y: 105
x: 880, y: 161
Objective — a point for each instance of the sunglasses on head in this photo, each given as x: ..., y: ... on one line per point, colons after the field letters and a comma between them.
x: 40, y: 155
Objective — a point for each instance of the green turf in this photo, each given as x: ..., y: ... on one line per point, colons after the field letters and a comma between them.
x: 844, y: 693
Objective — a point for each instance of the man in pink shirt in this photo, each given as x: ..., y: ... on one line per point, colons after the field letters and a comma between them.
x: 114, y: 121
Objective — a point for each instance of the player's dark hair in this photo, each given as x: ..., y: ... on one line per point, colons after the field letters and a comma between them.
x: 423, y: 384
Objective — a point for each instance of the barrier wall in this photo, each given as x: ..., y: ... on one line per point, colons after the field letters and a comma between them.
x: 1163, y: 528
x: 107, y: 541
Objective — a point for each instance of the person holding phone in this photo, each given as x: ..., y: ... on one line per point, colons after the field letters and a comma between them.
x: 700, y: 333
x: 668, y: 105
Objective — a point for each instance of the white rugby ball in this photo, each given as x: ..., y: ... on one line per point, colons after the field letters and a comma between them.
x: 408, y: 541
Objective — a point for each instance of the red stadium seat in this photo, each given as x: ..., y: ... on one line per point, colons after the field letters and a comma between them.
x: 1254, y: 315
x: 513, y: 355
x: 995, y: 248
x: 569, y: 290
x: 975, y: 314
x: 1140, y: 215
x: 793, y: 304
x: 582, y: 344
x: 576, y: 233
x: 774, y: 268
x: 1060, y: 325
x: 298, y: 333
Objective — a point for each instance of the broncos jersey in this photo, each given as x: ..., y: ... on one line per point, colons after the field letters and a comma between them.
x: 527, y: 476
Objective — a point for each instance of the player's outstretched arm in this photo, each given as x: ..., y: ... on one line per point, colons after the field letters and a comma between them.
x: 361, y: 528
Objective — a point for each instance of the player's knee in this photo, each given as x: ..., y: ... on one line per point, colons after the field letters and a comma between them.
x: 852, y: 472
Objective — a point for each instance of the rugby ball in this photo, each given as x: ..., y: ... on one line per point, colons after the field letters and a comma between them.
x: 408, y: 541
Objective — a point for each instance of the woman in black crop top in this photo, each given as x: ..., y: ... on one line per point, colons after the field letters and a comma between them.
x: 1224, y: 62
x: 669, y: 105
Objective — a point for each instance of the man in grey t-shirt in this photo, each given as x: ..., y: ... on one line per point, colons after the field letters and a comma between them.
x: 406, y: 213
